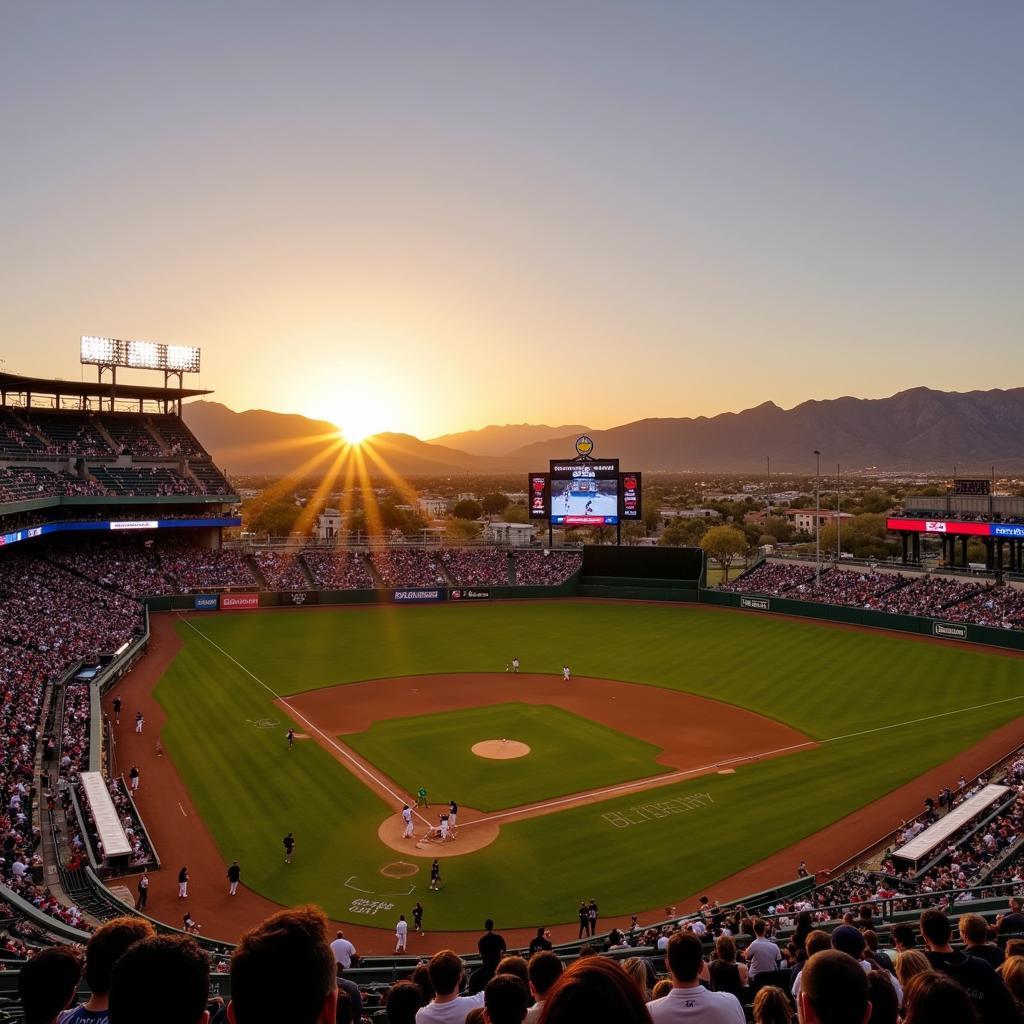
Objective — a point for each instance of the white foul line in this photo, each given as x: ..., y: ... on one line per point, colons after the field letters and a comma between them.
x: 299, y: 715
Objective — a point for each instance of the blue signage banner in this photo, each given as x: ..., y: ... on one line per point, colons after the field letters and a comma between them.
x: 1007, y: 530
x: 416, y: 595
x: 207, y: 602
x: 115, y: 524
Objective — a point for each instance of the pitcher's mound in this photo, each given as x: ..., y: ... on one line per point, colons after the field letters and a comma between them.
x: 500, y: 750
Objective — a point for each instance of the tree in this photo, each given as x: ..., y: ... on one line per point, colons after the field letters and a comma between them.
x: 778, y: 527
x: 683, y: 533
x: 462, y: 529
x: 632, y: 533
x: 863, y: 536
x: 467, y: 509
x: 651, y: 518
x: 276, y: 518
x: 724, y: 544
x: 516, y: 514
x: 494, y: 504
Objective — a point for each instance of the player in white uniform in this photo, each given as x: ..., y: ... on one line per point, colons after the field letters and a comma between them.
x: 453, y: 814
x: 407, y: 818
x: 444, y: 828
x: 566, y: 674
x: 401, y: 933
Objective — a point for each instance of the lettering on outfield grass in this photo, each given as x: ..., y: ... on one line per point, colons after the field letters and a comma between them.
x: 640, y: 813
x: 369, y: 906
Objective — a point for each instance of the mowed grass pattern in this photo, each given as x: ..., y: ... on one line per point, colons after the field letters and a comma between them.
x: 568, y: 754
x: 825, y: 681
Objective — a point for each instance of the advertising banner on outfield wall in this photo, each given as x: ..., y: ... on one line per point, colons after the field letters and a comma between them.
x: 950, y: 630
x: 414, y: 595
x: 206, y: 602
x: 470, y: 594
x: 760, y: 604
x: 301, y: 597
x: 234, y: 602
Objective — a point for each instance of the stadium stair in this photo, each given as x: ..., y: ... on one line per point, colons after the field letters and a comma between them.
x: 261, y: 580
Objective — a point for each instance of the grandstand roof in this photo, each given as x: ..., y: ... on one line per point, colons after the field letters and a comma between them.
x: 14, y: 382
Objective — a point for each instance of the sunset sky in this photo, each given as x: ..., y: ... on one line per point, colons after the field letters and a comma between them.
x: 430, y: 216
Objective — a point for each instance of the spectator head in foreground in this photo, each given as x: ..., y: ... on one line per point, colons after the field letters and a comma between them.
x: 107, y: 945
x: 771, y: 1006
x: 161, y: 980
x: 933, y: 996
x: 849, y: 940
x: 544, y: 969
x: 817, y: 941
x: 283, y: 969
x: 404, y: 999
x: 683, y: 958
x: 834, y: 990
x: 514, y: 965
x: 935, y: 930
x: 910, y: 962
x: 1012, y: 972
x: 595, y: 990
x: 47, y: 984
x: 903, y: 937
x: 445, y: 970
x: 505, y: 1000
x: 885, y: 1006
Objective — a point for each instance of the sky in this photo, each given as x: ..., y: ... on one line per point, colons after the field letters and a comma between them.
x: 431, y: 216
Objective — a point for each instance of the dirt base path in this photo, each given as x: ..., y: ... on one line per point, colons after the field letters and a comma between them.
x: 181, y: 837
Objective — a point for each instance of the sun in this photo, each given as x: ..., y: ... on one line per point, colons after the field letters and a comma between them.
x: 359, y: 417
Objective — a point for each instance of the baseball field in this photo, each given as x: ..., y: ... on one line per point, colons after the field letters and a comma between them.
x: 700, y: 741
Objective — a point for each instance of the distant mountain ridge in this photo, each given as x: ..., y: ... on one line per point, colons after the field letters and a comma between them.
x: 920, y: 430
x: 499, y: 441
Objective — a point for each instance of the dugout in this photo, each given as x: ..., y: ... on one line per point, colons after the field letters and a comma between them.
x: 651, y: 573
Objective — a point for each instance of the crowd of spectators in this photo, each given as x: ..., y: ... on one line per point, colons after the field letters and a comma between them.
x: 74, y: 734
x: 476, y: 567
x: 896, y: 593
x: 24, y: 483
x: 337, y: 570
x: 190, y: 568
x: 281, y: 569
x: 408, y: 567
x: 546, y: 568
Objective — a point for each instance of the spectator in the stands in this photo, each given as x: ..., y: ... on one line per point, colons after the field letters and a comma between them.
x: 1013, y: 922
x: 885, y: 1006
x: 835, y: 990
x: 105, y: 948
x: 762, y: 954
x: 908, y: 963
x: 726, y: 974
x: 689, y: 1000
x: 771, y: 1006
x: 1012, y: 973
x: 284, y: 970
x: 595, y: 989
x: 505, y: 1000
x: 544, y: 968
x: 903, y: 938
x: 403, y: 1000
x: 934, y: 996
x: 447, y: 1006
x: 47, y: 984
x: 986, y: 989
x: 974, y: 934
x: 164, y: 979
x: 878, y: 956
x: 492, y: 948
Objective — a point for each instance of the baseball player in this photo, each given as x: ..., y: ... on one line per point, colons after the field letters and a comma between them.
x: 234, y: 874
x: 117, y: 710
x: 566, y: 674
x: 133, y: 776
x: 421, y: 796
x: 183, y: 883
x: 417, y: 918
x: 140, y: 903
x: 435, y: 876
x: 291, y: 738
x: 407, y: 818
x: 401, y: 933
x: 289, y: 847
x: 443, y: 828
x: 515, y: 664
x: 190, y: 924
x: 139, y: 721
x: 453, y: 815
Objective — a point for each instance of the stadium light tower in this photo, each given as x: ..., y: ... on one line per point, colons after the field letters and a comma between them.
x: 817, y: 519
x: 839, y: 525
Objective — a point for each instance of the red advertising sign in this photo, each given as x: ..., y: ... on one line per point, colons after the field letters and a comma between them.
x: 234, y: 602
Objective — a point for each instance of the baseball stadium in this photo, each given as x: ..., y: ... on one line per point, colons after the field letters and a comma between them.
x: 584, y: 745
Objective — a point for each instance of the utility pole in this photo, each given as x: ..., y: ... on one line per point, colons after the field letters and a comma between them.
x: 839, y: 547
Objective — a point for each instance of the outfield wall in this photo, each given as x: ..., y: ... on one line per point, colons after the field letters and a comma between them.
x: 961, y: 631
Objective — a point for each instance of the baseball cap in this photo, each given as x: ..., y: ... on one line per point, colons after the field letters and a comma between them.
x: 848, y: 939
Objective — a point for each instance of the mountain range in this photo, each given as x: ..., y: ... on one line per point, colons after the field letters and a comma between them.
x: 920, y: 430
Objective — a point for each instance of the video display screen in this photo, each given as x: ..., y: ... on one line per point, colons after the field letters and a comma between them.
x: 584, y: 500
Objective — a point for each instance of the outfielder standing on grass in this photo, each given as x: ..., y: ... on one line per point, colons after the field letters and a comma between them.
x: 289, y: 847
x: 435, y: 876
x: 417, y: 918
x: 290, y: 736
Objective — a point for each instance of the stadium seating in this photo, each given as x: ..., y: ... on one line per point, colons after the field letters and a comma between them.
x: 70, y: 433
x: 282, y: 570
x: 476, y: 567
x: 546, y: 569
x: 337, y: 570
x: 408, y: 568
x: 132, y: 437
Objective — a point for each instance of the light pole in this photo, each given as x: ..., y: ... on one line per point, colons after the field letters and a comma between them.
x: 817, y: 518
x: 768, y: 492
x: 839, y: 547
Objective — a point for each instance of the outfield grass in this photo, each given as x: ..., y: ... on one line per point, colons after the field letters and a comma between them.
x: 830, y: 683
x: 568, y: 754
